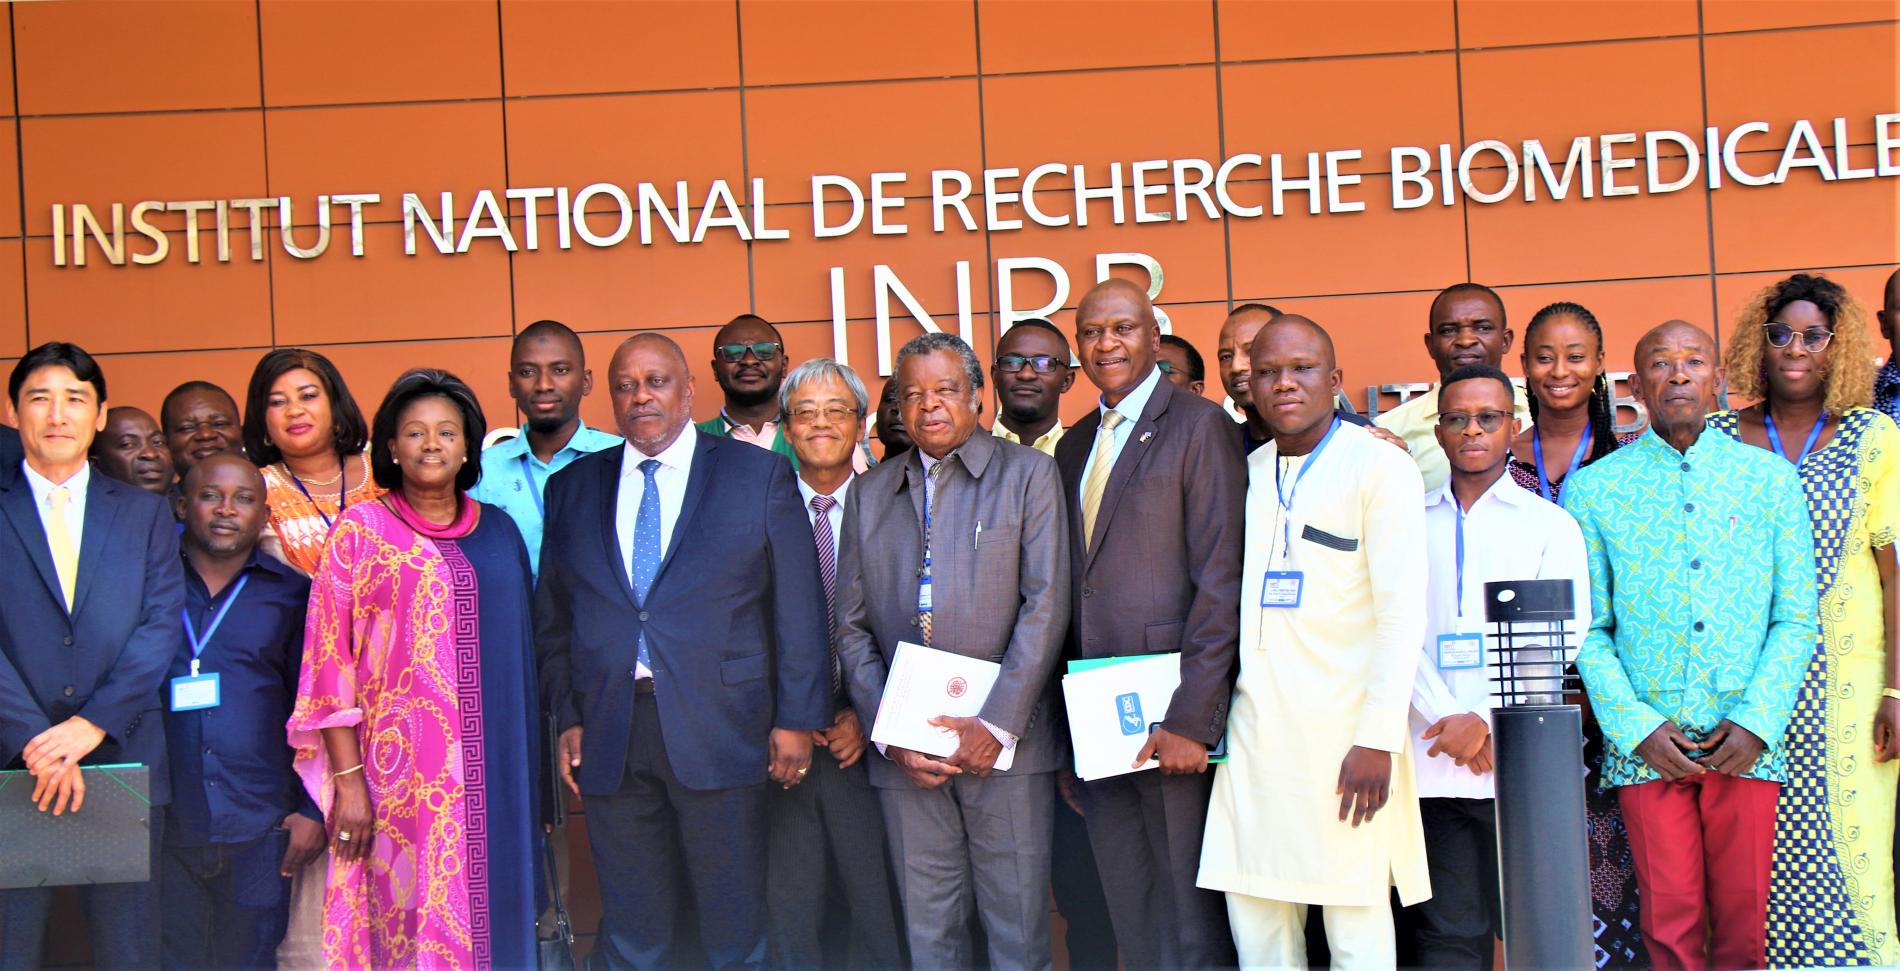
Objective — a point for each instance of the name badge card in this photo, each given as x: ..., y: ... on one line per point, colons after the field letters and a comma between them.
x: 1282, y: 588
x: 195, y: 692
x: 1458, y: 651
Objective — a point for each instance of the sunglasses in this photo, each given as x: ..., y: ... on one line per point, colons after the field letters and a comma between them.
x: 1457, y: 421
x: 1781, y: 335
x: 734, y: 353
x: 1166, y: 366
x: 1043, y: 363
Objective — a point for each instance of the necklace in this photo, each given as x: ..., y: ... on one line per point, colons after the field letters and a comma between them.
x: 319, y: 483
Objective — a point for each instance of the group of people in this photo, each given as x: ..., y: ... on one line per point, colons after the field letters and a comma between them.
x: 362, y: 659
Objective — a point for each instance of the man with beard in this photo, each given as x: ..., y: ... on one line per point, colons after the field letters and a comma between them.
x: 1032, y: 374
x: 748, y: 362
x: 547, y: 377
x: 132, y: 450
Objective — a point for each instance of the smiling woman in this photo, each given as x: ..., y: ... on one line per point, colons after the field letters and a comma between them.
x: 304, y: 431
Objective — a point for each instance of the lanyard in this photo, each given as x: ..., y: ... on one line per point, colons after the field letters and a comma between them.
x: 1286, y: 497
x: 342, y: 493
x: 1537, y: 457
x: 1774, y: 435
x: 527, y: 472
x: 198, y: 644
x: 1458, y: 545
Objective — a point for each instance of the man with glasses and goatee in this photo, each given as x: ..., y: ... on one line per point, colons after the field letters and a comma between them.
x: 749, y: 364
x: 1032, y: 374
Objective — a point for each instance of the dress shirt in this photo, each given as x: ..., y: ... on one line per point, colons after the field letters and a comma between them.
x: 676, y: 464
x: 75, y: 512
x: 1510, y: 534
x: 1887, y: 389
x: 506, y: 484
x: 1044, y: 443
x: 1702, y: 594
x: 835, y: 514
x: 231, y: 773
x: 1130, y: 410
x: 1414, y: 422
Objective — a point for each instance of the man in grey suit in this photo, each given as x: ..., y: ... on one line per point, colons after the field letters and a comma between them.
x: 1156, y: 499
x: 962, y: 545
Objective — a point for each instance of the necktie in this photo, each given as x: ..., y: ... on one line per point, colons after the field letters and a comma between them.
x: 924, y: 599
x: 828, y: 572
x: 65, y: 557
x: 646, y: 545
x: 1098, y: 474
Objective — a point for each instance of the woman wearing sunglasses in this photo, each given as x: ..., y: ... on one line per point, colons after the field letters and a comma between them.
x: 1801, y: 351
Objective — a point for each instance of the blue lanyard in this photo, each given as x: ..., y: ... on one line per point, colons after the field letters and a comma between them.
x: 1459, y: 546
x: 1774, y: 435
x: 527, y: 472
x: 342, y: 493
x: 1286, y: 497
x: 198, y: 644
x: 1537, y: 457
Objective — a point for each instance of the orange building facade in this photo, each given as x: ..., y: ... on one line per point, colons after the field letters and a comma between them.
x: 201, y: 102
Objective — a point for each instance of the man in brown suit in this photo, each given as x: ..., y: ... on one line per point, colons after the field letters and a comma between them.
x: 1156, y: 501
x: 979, y: 524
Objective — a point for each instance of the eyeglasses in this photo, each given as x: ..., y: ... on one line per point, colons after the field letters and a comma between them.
x: 1781, y: 335
x: 834, y: 414
x: 1164, y: 365
x: 734, y: 353
x: 1043, y: 363
x: 1457, y: 421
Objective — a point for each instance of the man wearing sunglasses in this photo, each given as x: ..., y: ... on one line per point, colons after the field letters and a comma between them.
x: 748, y: 362
x: 1032, y: 374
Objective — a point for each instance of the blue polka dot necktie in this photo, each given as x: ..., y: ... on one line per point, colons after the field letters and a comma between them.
x: 646, y: 545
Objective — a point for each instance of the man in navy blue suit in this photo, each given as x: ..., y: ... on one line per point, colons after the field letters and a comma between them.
x: 89, y: 618
x: 681, y: 632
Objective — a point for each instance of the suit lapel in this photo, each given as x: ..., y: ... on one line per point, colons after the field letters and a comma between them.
x: 1125, y: 464
x: 705, y: 456
x: 609, y: 516
x: 16, y: 504
x: 102, y: 507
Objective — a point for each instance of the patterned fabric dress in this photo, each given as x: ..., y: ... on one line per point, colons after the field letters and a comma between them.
x: 1613, y: 906
x: 419, y: 637
x: 299, y: 523
x: 1830, y: 899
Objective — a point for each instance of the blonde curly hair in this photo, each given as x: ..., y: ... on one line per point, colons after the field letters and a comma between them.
x: 1850, y: 367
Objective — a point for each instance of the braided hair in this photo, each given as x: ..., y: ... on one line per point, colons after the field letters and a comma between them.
x: 1602, y: 408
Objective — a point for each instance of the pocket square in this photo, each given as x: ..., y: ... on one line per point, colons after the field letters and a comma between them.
x: 1328, y: 540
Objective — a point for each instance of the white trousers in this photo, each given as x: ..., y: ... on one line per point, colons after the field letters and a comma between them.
x: 1272, y: 934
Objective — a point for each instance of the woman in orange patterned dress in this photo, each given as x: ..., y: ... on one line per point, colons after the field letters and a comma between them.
x: 304, y: 431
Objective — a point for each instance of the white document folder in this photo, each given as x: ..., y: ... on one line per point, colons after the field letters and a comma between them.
x: 925, y: 683
x: 1112, y: 709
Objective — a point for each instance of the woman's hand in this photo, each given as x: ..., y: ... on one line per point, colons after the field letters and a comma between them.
x: 352, y: 823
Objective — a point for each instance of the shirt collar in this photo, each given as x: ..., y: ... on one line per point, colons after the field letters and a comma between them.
x: 1132, y: 406
x: 807, y: 493
x: 258, y: 560
x: 1504, y: 490
x: 518, y: 446
x: 42, y: 486
x: 731, y: 425
x: 678, y: 455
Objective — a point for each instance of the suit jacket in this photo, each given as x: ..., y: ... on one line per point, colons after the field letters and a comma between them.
x: 105, y: 660
x: 1163, y: 571
x: 11, y: 454
x: 734, y: 620
x: 1001, y: 594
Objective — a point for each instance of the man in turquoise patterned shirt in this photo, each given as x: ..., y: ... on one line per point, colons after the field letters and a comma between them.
x: 1702, y: 593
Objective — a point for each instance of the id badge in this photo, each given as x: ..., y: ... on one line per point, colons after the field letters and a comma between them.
x: 1459, y: 651
x: 195, y: 692
x: 923, y: 595
x: 1282, y: 588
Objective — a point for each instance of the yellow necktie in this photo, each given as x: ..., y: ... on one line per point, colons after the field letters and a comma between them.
x: 65, y: 557
x: 1098, y: 474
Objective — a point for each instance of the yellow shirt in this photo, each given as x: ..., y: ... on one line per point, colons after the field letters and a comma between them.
x: 1414, y: 421
x: 1046, y: 444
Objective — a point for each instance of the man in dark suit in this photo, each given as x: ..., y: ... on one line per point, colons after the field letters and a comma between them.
x: 93, y: 592
x: 10, y: 451
x: 1156, y: 506
x: 961, y: 546
x: 681, y: 634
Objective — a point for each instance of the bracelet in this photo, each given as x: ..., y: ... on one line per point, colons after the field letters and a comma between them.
x: 1893, y: 693
x: 358, y: 767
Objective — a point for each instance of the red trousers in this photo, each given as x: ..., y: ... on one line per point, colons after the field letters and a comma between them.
x: 1701, y: 847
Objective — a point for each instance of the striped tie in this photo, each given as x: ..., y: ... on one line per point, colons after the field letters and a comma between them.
x: 828, y: 572
x: 930, y: 488
x: 1099, y: 464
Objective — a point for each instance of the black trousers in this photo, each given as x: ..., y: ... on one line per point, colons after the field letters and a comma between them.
x: 1146, y: 829
x: 122, y: 918
x: 655, y: 842
x: 1458, y: 927
x: 827, y: 848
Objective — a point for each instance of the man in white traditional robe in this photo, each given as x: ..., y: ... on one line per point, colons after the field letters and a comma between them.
x: 1317, y: 804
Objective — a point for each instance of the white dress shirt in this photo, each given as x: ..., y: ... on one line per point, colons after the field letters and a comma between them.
x: 1130, y: 410
x: 1510, y: 534
x: 75, y: 512
x: 676, y: 463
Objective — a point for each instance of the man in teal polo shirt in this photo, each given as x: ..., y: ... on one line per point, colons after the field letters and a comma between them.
x: 547, y: 377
